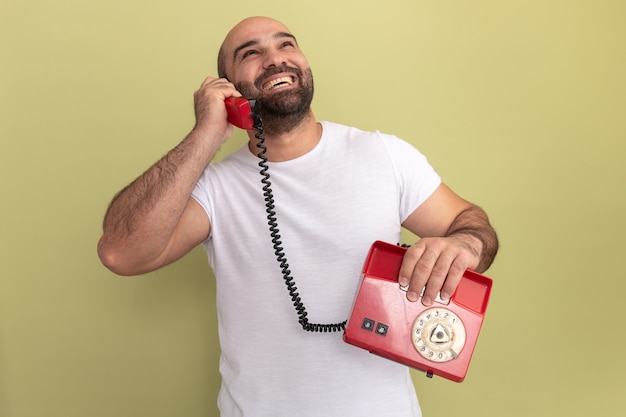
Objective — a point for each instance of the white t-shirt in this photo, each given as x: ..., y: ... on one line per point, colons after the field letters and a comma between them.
x: 332, y: 203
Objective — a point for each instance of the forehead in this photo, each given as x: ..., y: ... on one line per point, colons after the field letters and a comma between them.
x: 256, y: 29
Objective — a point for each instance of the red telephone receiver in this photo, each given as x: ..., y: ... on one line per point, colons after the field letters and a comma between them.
x: 239, y: 112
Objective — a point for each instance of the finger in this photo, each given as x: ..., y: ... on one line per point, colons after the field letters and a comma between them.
x: 219, y: 84
x: 411, y: 256
x: 207, y: 81
x: 419, y: 264
x: 438, y: 275
x: 455, y: 274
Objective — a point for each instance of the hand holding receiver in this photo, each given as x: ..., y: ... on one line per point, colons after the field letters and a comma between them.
x: 437, y: 339
x: 210, y: 111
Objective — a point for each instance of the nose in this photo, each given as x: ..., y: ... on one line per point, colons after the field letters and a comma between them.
x: 274, y: 58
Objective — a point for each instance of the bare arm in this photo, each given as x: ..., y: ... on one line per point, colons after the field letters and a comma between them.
x: 455, y: 235
x: 154, y: 221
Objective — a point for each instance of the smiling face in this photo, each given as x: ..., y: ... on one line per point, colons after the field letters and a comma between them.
x: 264, y: 62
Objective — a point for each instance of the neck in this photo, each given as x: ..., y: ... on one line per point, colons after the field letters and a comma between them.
x: 289, y: 145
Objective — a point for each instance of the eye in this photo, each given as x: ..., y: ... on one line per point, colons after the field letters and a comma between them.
x: 248, y: 53
x: 287, y: 44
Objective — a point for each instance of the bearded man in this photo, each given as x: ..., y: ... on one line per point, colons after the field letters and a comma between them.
x: 336, y: 190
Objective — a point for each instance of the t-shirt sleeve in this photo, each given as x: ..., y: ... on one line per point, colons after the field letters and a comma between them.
x: 415, y: 177
x: 201, y: 194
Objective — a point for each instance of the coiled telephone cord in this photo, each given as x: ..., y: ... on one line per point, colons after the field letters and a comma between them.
x: 277, y: 244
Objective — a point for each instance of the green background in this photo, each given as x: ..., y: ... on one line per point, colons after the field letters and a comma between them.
x: 520, y: 105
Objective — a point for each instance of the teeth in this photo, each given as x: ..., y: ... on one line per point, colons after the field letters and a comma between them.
x: 277, y: 81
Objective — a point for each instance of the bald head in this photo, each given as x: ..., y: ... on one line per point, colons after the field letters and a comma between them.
x: 242, y: 34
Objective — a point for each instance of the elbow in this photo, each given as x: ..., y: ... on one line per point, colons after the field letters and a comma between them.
x: 116, y: 259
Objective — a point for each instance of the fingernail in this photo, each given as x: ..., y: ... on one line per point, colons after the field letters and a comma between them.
x: 445, y: 297
x: 403, y: 281
x: 412, y: 296
x: 427, y: 301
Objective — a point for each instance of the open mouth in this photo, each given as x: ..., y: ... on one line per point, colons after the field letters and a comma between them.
x: 278, y: 83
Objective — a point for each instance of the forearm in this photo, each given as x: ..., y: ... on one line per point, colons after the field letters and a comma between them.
x: 473, y: 226
x: 143, y: 216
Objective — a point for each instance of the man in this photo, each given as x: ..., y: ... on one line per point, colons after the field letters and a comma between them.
x: 336, y: 190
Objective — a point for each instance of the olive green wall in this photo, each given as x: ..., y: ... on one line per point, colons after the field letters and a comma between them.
x: 520, y: 105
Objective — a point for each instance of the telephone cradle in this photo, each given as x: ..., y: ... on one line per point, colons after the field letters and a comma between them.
x: 438, y: 340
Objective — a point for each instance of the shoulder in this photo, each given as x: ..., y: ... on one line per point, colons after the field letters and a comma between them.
x: 240, y: 159
x: 353, y: 136
x: 337, y: 129
x: 238, y: 166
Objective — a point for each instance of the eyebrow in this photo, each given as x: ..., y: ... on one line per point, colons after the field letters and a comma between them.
x: 277, y: 35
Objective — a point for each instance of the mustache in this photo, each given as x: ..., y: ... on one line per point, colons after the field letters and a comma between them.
x: 258, y: 82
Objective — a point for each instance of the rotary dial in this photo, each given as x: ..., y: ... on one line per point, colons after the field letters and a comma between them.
x: 438, y: 334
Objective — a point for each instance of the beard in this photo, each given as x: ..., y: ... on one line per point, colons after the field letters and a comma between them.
x: 281, y: 111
